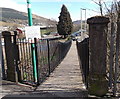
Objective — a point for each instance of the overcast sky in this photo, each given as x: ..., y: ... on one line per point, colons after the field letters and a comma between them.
x: 51, y: 8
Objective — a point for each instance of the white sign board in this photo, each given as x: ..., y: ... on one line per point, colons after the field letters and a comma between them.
x: 32, y: 32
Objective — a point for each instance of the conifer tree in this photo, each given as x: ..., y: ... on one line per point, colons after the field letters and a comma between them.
x: 65, y: 24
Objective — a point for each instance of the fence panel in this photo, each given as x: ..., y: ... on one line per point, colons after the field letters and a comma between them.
x: 50, y: 53
x: 53, y: 54
x: 42, y: 51
x: 83, y: 54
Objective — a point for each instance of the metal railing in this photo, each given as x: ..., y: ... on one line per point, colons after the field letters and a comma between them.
x: 33, y: 60
x: 83, y: 55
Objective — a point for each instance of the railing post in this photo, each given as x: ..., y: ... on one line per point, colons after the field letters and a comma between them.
x: 3, y: 66
x: 48, y: 55
x: 2, y: 59
x: 34, y: 61
x: 36, y: 54
x: 98, y: 84
x: 16, y: 57
x: 2, y: 69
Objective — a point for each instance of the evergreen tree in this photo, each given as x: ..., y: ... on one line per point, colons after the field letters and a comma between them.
x: 65, y: 24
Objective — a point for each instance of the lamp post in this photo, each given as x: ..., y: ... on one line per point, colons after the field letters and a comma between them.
x: 83, y: 28
x: 85, y: 25
x: 29, y: 13
x: 81, y: 21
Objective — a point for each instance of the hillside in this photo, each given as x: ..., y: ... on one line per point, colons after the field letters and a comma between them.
x: 78, y: 22
x: 14, y: 16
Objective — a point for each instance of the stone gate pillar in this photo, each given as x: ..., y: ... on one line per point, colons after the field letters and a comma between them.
x: 98, y: 51
x: 9, y: 52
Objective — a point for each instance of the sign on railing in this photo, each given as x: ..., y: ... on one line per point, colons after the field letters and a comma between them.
x: 32, y: 32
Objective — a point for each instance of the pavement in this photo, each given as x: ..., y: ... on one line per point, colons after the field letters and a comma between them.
x: 65, y: 81
x: 11, y: 88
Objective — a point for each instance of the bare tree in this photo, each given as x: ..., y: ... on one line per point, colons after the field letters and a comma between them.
x: 99, y: 3
x: 113, y: 62
x: 117, y: 5
x: 114, y: 59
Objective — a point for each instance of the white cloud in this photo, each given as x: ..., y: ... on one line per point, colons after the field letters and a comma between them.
x: 13, y: 4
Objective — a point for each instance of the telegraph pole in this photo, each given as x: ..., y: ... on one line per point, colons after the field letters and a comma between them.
x: 29, y: 13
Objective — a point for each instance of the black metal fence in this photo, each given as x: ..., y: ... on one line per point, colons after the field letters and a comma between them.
x: 48, y: 52
x: 31, y: 61
x: 83, y: 54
